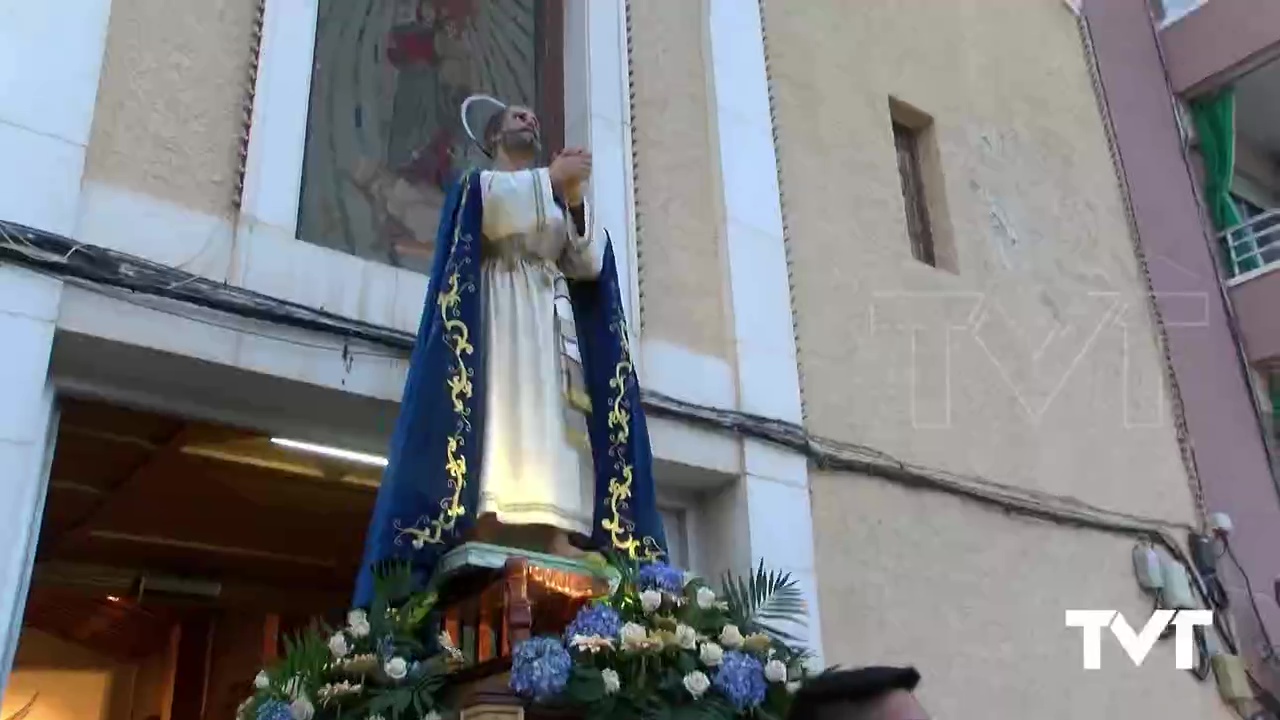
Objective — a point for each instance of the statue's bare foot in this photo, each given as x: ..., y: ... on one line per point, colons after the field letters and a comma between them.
x: 560, y: 545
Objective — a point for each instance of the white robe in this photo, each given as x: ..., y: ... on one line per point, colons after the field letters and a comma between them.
x: 532, y: 471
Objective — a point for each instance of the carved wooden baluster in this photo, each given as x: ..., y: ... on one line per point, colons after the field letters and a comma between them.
x: 519, y: 615
x: 490, y: 621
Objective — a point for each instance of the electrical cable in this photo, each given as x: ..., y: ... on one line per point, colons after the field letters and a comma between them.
x: 1270, y: 651
x: 1203, y: 665
x: 344, y: 349
x: 102, y: 268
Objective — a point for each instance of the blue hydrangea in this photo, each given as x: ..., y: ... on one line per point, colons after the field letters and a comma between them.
x: 596, y: 619
x: 540, y: 668
x: 661, y: 576
x: 274, y: 710
x: 741, y: 680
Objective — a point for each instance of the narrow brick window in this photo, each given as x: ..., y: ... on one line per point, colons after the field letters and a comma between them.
x: 907, y: 142
x: 920, y: 175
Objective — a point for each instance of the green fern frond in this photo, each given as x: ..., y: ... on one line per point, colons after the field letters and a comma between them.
x: 763, y: 600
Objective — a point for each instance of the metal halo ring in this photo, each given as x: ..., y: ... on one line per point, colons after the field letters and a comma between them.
x: 466, y: 104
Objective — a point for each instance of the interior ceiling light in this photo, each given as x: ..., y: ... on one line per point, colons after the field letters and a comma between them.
x: 333, y: 452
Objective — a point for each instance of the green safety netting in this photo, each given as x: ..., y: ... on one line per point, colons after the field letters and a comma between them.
x: 1214, y: 116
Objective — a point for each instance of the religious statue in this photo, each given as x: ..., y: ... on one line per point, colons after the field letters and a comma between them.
x: 482, y: 446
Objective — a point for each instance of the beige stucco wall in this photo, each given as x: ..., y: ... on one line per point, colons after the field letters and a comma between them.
x: 1051, y: 384
x: 170, y: 113
x: 975, y: 599
x: 676, y: 188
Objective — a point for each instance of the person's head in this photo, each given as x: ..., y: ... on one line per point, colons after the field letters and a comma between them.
x: 513, y: 137
x: 872, y: 693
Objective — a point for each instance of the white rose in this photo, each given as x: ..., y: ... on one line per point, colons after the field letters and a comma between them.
x: 711, y: 654
x: 611, y: 681
x: 793, y: 686
x: 633, y: 635
x: 650, y: 600
x: 730, y: 636
x: 357, y: 617
x: 686, y: 637
x: 261, y: 681
x: 696, y: 683
x: 590, y: 643
x: 775, y: 671
x: 396, y: 668
x: 338, y: 646
x: 432, y: 715
x: 706, y: 598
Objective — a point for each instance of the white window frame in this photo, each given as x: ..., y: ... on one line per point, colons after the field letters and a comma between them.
x: 597, y: 113
x: 683, y: 535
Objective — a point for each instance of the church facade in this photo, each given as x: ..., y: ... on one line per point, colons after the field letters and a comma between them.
x: 888, y: 294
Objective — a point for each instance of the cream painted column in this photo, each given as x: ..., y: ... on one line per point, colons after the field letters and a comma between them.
x: 598, y: 115
x: 50, y: 61
x: 780, y: 520
x: 28, y: 313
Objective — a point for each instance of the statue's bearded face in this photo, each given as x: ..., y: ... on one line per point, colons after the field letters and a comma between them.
x: 517, y: 132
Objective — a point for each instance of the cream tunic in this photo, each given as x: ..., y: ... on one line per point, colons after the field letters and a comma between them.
x: 531, y: 473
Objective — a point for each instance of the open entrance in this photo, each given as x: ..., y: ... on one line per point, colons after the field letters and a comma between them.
x: 174, y: 556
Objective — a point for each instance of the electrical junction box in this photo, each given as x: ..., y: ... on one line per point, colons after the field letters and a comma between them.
x: 1176, y: 592
x: 1146, y: 566
x: 1233, y: 681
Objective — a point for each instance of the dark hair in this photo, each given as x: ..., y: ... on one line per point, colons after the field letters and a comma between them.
x: 492, y: 127
x: 836, y: 687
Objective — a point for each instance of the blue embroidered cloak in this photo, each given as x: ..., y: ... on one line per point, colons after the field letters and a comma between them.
x: 431, y: 487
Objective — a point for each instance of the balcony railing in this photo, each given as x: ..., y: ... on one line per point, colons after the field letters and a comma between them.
x: 1253, y: 244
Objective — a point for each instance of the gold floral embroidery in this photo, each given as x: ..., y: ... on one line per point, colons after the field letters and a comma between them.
x: 622, y: 529
x: 428, y: 530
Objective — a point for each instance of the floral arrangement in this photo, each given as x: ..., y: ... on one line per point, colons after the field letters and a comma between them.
x: 664, y: 643
x: 377, y: 667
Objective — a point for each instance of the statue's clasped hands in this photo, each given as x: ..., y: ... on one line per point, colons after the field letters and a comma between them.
x: 570, y: 171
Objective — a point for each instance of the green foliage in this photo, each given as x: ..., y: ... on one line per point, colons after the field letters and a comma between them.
x: 376, y: 665
x: 762, y: 600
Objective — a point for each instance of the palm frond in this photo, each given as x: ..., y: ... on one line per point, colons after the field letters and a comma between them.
x: 763, y: 601
x: 305, y: 657
x: 627, y: 571
x: 394, y: 581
